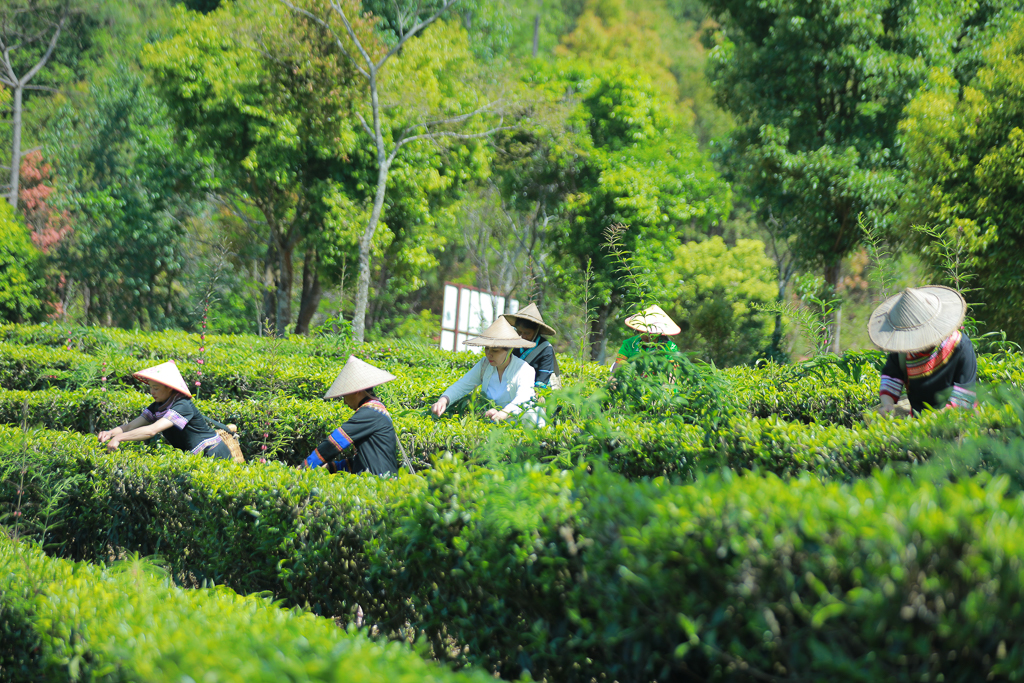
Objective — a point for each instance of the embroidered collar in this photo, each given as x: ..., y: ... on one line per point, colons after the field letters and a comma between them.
x: 375, y: 404
x: 926, y: 362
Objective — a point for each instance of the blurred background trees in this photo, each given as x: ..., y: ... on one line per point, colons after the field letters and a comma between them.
x: 172, y: 155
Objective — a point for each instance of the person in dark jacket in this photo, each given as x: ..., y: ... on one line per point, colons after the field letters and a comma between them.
x: 531, y: 326
x: 370, y: 432
x: 930, y: 357
x: 172, y: 414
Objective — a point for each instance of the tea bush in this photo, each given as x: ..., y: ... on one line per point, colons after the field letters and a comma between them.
x: 634, y: 446
x: 575, y: 576
x: 70, y: 621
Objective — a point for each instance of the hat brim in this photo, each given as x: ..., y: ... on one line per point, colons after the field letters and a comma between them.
x: 952, y: 309
x: 500, y: 343
x: 165, y: 374
x: 544, y: 327
x: 357, y: 375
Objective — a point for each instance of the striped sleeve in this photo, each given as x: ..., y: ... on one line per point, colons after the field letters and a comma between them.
x: 891, y: 386
x: 176, y: 418
x: 962, y: 397
x: 148, y: 416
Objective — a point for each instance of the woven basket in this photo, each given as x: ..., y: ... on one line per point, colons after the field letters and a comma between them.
x: 231, y: 441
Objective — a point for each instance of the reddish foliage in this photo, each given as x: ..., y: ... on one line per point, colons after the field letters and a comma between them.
x: 48, y: 226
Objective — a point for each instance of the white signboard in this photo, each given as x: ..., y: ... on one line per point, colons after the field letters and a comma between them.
x: 467, y: 312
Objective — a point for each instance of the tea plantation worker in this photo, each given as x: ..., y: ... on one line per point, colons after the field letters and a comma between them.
x: 370, y: 431
x: 171, y: 414
x: 531, y: 327
x: 503, y: 378
x: 655, y: 328
x: 929, y: 355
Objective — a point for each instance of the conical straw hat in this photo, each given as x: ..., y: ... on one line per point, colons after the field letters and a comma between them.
x: 501, y: 334
x: 917, y: 318
x: 653, y: 320
x: 356, y: 376
x: 166, y: 374
x: 531, y: 313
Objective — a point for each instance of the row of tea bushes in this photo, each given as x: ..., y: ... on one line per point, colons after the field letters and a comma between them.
x: 288, y: 430
x: 32, y: 368
x: 576, y: 576
x: 762, y: 392
x: 65, y: 621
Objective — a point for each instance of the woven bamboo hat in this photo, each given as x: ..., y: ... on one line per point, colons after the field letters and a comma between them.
x: 356, y: 376
x: 166, y: 374
x: 500, y: 334
x: 917, y: 318
x: 531, y: 313
x: 653, y: 320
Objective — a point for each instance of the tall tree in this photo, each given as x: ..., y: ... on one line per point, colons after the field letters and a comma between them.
x: 629, y: 161
x: 818, y: 89
x: 369, y: 57
x: 266, y: 95
x: 965, y: 147
x: 129, y: 184
x: 29, y: 32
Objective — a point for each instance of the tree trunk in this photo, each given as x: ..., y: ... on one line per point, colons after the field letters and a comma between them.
x: 284, y: 287
x: 311, y: 291
x: 599, y: 333
x: 270, y: 287
x: 365, y: 242
x: 12, y: 199
x: 832, y: 273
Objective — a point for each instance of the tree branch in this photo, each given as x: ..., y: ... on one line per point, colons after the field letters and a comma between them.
x: 444, y: 134
x: 359, y: 45
x: 324, y: 24
x: 49, y: 51
x: 419, y: 26
x: 366, y: 126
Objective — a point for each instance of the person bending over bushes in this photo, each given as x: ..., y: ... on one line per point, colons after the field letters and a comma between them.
x: 370, y: 431
x: 171, y: 414
x: 655, y: 328
x: 929, y: 354
x: 531, y: 327
x: 504, y: 379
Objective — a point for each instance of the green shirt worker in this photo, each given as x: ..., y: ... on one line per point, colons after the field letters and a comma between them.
x: 655, y: 328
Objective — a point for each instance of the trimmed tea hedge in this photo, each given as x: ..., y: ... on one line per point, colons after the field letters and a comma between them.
x: 629, y: 446
x: 578, y: 576
x: 25, y: 367
x: 70, y: 621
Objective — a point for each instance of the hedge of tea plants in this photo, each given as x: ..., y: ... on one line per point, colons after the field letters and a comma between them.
x: 287, y: 430
x: 576, y: 575
x: 61, y: 620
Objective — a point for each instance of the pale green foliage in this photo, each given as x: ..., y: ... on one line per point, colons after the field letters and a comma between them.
x: 712, y: 291
x: 965, y: 146
x: 22, y: 288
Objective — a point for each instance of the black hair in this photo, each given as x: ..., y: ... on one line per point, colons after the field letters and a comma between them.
x: 528, y: 324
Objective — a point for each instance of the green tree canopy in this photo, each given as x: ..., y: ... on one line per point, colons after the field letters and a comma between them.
x: 818, y: 90
x: 711, y: 290
x: 965, y: 148
x: 23, y: 294
x: 627, y: 161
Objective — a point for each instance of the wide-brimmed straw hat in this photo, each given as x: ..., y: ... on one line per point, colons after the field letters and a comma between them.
x: 166, y: 374
x: 531, y: 313
x: 356, y: 376
x: 917, y: 318
x: 500, y: 334
x: 653, y: 320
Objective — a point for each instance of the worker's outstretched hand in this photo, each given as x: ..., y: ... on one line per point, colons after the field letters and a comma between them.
x: 109, y: 434
x: 439, y: 407
x: 113, y: 443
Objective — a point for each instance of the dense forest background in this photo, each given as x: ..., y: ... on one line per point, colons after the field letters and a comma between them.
x: 323, y: 167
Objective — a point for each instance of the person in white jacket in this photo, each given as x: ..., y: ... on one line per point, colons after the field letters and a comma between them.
x: 503, y: 378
